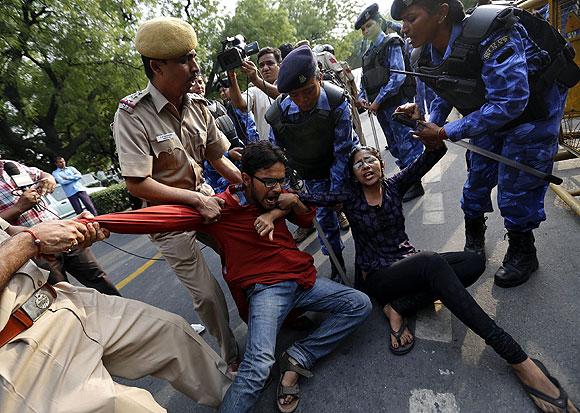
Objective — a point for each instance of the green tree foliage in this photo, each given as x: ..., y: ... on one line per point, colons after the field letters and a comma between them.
x: 63, y: 65
x: 263, y: 21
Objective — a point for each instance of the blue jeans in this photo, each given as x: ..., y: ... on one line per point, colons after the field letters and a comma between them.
x: 326, y: 217
x: 269, y: 306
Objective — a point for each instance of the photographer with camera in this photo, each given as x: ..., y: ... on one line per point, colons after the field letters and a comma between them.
x: 259, y: 97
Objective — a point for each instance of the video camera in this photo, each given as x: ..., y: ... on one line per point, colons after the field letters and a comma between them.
x: 235, y: 51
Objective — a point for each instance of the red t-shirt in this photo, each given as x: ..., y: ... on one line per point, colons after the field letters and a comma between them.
x: 247, y: 258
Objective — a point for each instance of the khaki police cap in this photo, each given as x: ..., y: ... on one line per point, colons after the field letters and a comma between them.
x: 165, y: 38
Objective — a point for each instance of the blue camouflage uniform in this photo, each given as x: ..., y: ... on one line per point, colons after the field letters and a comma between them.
x: 400, y: 140
x: 211, y: 176
x: 345, y: 139
x: 520, y: 195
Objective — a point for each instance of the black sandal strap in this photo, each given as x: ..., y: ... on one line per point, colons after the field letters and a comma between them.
x: 288, y: 363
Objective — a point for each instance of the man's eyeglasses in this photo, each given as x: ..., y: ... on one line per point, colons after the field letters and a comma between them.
x: 368, y: 160
x: 270, y: 183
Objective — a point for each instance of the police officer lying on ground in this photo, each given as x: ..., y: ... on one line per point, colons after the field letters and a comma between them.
x: 513, y: 106
x: 312, y: 122
x: 382, y: 91
x: 59, y: 346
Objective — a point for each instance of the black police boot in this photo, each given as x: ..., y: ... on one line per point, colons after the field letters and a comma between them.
x: 519, y: 262
x: 335, y: 275
x: 475, y: 235
x: 414, y: 192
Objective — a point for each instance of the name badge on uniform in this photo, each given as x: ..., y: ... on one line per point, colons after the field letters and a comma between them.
x: 165, y: 136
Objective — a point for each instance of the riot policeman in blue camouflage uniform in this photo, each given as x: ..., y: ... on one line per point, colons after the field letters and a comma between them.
x: 382, y: 91
x: 311, y: 121
x: 512, y: 99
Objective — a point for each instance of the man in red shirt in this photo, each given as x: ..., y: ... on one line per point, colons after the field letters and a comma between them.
x: 268, y: 276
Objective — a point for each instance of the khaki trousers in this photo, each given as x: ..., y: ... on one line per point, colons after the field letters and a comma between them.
x: 64, y: 362
x: 182, y: 253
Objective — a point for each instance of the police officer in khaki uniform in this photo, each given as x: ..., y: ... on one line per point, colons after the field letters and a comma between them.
x: 163, y: 134
x: 60, y: 345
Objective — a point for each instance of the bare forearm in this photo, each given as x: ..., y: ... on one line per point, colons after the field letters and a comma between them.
x: 15, y: 251
x: 268, y: 88
x: 236, y: 94
x: 154, y: 191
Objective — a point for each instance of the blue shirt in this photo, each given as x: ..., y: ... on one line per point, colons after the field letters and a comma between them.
x: 505, y: 79
x: 70, y: 180
x: 379, y: 231
x: 393, y: 60
x: 345, y: 138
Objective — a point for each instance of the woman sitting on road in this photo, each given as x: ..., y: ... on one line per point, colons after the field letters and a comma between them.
x: 403, y: 279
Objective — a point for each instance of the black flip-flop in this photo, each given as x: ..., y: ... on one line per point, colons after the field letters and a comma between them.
x: 401, y: 350
x: 562, y: 402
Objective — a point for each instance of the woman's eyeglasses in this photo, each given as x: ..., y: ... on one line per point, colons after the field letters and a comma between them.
x: 368, y: 160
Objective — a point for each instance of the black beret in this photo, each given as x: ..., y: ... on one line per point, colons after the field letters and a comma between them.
x: 366, y: 15
x: 398, y: 6
x: 296, y: 69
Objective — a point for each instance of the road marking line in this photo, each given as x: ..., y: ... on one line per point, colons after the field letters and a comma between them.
x: 427, y: 401
x: 137, y: 272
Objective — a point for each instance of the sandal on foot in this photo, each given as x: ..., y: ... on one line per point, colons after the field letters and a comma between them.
x: 284, y: 391
x: 401, y: 350
x: 287, y: 363
x: 546, y: 403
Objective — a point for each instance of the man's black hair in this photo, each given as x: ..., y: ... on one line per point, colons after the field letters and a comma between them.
x: 56, y: 158
x: 273, y: 50
x: 285, y: 48
x: 261, y: 155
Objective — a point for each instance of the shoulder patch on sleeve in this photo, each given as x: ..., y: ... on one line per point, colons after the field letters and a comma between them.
x: 128, y: 103
x: 494, y: 46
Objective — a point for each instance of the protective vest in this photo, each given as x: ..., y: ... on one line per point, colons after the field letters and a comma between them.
x: 458, y: 78
x: 308, y: 143
x: 222, y: 120
x: 376, y: 75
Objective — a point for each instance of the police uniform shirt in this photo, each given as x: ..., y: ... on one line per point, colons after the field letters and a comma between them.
x: 394, y: 60
x: 154, y: 140
x: 22, y: 284
x: 507, y: 56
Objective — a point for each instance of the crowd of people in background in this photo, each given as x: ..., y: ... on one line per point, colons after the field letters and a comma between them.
x: 231, y: 173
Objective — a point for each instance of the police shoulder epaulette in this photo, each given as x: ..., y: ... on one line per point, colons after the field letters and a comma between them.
x: 128, y: 103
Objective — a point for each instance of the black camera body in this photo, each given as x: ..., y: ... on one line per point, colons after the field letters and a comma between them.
x: 235, y: 51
